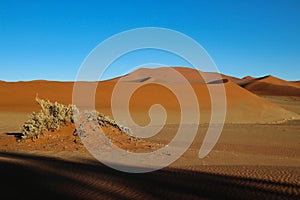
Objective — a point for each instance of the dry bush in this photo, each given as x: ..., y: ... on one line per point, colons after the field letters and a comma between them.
x: 101, y: 119
x: 51, y: 117
x: 54, y: 116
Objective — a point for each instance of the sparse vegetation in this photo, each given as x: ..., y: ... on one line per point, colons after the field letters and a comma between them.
x: 53, y: 116
x: 101, y: 119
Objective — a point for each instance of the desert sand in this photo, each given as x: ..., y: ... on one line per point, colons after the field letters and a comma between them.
x: 270, y: 85
x: 256, y: 157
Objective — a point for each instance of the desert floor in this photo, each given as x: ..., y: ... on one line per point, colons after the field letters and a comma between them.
x: 249, y: 161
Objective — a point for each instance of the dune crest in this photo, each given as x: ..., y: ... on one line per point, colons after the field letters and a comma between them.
x: 270, y: 85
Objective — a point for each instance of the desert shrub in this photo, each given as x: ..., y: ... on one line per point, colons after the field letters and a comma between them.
x: 51, y: 117
x: 101, y: 119
x: 104, y: 120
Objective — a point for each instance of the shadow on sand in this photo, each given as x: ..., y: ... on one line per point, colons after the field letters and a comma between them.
x: 17, y: 135
x: 26, y: 176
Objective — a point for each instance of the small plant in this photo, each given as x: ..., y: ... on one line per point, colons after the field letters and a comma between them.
x: 101, y: 119
x: 51, y: 117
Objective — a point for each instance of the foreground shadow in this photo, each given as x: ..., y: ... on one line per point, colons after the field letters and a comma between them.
x: 17, y: 135
x: 36, y: 177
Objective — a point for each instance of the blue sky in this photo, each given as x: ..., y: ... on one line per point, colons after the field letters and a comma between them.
x: 50, y: 39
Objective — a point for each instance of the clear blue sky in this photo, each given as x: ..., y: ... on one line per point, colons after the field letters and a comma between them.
x: 50, y: 39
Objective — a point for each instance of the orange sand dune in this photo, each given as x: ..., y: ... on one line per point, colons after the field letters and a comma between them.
x: 297, y: 83
x: 163, y: 75
x: 271, y: 85
x: 242, y: 105
x: 20, y: 96
x: 248, y: 78
x: 244, y: 81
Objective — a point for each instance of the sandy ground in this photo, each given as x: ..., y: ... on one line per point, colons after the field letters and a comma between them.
x: 249, y: 161
x: 291, y: 103
x: 256, y: 157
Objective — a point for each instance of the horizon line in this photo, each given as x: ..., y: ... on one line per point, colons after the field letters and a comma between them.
x: 118, y: 76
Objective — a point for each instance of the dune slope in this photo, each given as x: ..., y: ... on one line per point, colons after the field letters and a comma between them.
x: 271, y: 85
x: 242, y: 105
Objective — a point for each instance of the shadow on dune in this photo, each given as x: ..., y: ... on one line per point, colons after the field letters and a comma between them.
x: 220, y: 81
x: 26, y: 176
x: 244, y: 83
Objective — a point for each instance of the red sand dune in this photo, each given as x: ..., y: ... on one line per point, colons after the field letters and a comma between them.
x: 245, y: 80
x: 271, y: 85
x: 248, y: 78
x: 20, y: 96
x: 162, y: 75
x: 297, y: 83
x: 242, y: 105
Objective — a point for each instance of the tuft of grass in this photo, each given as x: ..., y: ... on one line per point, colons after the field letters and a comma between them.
x: 52, y: 117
